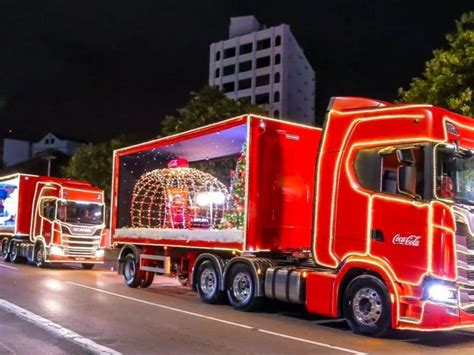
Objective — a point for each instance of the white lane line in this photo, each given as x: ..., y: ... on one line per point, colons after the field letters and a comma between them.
x: 8, y: 267
x: 219, y: 320
x: 56, y: 329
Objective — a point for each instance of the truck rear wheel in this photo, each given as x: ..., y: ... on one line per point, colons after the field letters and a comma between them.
x: 132, y: 275
x: 208, y: 280
x: 241, y: 288
x: 5, y: 252
x: 147, y: 279
x: 14, y: 253
x: 367, y: 307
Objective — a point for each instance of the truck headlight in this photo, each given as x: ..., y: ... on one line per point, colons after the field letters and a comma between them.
x: 55, y: 250
x: 442, y: 293
x: 99, y: 253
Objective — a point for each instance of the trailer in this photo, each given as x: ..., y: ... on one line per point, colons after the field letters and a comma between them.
x: 51, y: 220
x: 368, y: 218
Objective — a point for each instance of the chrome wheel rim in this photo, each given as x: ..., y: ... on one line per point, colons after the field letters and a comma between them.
x: 367, y: 306
x: 129, y: 271
x: 242, y: 287
x: 14, y: 250
x: 40, y: 256
x: 208, y: 281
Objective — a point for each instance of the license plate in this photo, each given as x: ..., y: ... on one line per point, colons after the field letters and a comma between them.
x: 80, y: 259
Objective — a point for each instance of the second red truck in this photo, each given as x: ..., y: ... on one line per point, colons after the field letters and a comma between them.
x: 51, y: 220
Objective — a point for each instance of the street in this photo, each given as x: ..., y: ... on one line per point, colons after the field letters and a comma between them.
x: 41, y: 308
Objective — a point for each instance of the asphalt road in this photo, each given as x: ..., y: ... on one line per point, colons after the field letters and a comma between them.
x: 168, y: 318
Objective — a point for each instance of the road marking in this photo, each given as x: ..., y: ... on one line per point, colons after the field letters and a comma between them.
x: 8, y: 267
x: 56, y: 329
x: 218, y: 320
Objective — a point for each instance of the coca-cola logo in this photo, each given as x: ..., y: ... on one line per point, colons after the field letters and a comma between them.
x: 411, y: 240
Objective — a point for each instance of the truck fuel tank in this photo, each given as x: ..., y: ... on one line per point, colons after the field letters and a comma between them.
x: 287, y: 284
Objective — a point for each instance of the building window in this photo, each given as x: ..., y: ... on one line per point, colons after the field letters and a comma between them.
x: 263, y: 62
x: 51, y: 140
x: 277, y: 59
x: 263, y: 44
x: 262, y: 99
x: 245, y: 66
x: 246, y: 48
x: 277, y: 78
x: 218, y: 72
x: 46, y: 141
x: 218, y: 55
x: 227, y: 87
x: 229, y: 52
x: 245, y: 84
x: 276, y: 96
x: 277, y: 41
x: 246, y: 99
x: 262, y: 80
x: 276, y: 114
x: 228, y: 70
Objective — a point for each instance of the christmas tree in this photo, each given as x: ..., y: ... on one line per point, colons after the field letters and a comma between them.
x: 234, y: 217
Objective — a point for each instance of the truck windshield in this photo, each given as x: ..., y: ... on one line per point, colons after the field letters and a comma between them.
x: 455, y: 174
x: 80, y: 212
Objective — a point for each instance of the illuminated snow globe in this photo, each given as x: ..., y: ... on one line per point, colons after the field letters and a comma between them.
x: 178, y: 197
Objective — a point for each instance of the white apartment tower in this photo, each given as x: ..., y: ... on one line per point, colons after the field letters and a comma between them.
x: 265, y: 66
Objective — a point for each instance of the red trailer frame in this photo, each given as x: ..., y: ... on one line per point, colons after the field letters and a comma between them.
x: 264, y: 173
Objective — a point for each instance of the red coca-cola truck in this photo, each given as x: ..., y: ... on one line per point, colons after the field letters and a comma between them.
x: 51, y: 220
x: 370, y: 218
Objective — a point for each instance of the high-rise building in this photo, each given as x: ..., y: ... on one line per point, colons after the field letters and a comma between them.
x: 265, y: 66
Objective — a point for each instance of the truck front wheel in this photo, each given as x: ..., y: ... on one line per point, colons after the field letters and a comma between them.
x: 87, y: 266
x: 40, y: 256
x: 132, y: 275
x: 367, y: 307
x: 241, y: 288
x: 207, y: 283
x: 5, y: 252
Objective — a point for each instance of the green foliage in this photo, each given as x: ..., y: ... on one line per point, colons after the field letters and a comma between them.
x: 93, y: 163
x: 3, y: 103
x: 206, y: 106
x: 448, y: 78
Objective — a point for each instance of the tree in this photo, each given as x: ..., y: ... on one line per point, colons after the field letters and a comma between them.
x: 206, y: 106
x: 448, y: 78
x: 93, y: 163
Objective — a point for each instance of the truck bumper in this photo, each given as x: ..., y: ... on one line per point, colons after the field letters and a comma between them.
x: 70, y: 259
x: 436, y: 317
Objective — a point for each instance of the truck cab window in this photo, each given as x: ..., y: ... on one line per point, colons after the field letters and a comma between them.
x: 49, y: 209
x: 392, y: 170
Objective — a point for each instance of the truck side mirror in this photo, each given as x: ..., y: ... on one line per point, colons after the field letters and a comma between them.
x: 407, y: 181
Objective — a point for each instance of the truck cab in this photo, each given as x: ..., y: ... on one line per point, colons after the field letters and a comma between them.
x: 394, y: 201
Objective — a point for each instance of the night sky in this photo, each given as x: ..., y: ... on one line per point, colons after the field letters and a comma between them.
x: 95, y: 69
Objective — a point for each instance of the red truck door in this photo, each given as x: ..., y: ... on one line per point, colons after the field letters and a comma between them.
x: 400, y: 222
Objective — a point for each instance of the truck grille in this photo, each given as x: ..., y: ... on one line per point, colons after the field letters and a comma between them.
x: 465, y: 266
x: 80, y: 246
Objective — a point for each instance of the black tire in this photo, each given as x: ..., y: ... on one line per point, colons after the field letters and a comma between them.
x: 5, y: 251
x: 132, y: 276
x: 88, y: 266
x: 147, y: 279
x: 40, y: 256
x: 366, y: 306
x: 208, y: 281
x: 14, y: 251
x: 240, y: 287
